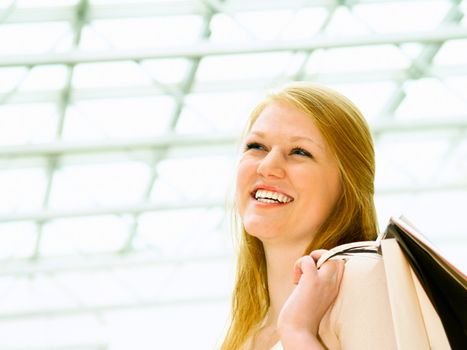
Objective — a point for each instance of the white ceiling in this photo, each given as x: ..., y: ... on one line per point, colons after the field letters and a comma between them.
x: 119, y: 127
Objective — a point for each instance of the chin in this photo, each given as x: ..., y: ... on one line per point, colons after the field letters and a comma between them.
x: 261, y: 231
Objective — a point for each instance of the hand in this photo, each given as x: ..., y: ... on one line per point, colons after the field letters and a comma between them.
x: 315, y: 291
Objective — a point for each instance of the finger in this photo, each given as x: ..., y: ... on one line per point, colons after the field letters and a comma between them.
x: 329, y: 271
x: 316, y: 254
x: 333, y: 270
x: 297, y: 272
x: 340, y: 272
x: 304, y: 265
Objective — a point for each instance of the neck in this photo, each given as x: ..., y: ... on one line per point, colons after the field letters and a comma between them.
x: 280, y: 262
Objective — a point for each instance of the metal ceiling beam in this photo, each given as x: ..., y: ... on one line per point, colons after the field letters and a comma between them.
x: 139, y: 9
x: 77, y: 346
x: 422, y: 62
x: 184, y: 90
x: 99, y: 262
x: 189, y: 141
x: 96, y: 263
x: 79, y: 20
x: 48, y: 214
x: 384, y: 126
x: 203, y: 49
x: 153, y: 143
x: 109, y: 92
x: 135, y: 260
x: 421, y: 189
x: 99, y: 309
x: 133, y: 9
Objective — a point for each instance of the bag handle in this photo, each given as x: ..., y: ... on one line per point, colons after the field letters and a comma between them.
x: 352, y: 248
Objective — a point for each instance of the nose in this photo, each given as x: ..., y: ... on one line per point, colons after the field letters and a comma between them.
x: 272, y: 165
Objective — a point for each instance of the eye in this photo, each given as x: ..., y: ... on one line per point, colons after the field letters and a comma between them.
x: 301, y: 152
x: 254, y: 146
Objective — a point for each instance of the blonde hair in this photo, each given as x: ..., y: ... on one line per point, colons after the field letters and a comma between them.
x: 352, y: 219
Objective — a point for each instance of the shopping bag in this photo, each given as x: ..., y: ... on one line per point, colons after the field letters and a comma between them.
x: 428, y: 295
x: 440, y: 287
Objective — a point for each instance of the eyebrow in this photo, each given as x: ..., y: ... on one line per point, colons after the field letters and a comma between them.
x: 292, y: 139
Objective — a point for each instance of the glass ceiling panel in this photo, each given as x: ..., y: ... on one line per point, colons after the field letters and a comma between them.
x: 275, y: 24
x: 150, y: 32
x: 205, y: 112
x: 81, y: 236
x: 31, y: 123
x: 358, y: 59
x: 452, y: 53
x: 41, y: 3
x: 173, y: 234
x: 116, y: 118
x: 195, y: 178
x: 119, y: 134
x: 43, y: 78
x: 359, y: 93
x: 19, y: 245
x: 424, y: 97
x: 254, y: 66
x: 411, y: 160
x: 21, y: 189
x: 31, y: 38
x: 78, y: 186
x: 456, y: 86
x: 380, y: 17
x: 166, y: 71
x: 95, y: 75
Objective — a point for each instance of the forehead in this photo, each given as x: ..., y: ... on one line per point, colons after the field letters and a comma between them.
x: 283, y: 120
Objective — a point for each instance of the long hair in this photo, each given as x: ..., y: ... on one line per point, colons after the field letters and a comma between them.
x: 353, y: 217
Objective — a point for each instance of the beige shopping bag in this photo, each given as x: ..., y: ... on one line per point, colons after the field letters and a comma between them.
x: 428, y: 295
x: 416, y: 323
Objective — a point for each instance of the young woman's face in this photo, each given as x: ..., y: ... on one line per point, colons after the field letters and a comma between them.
x: 287, y: 180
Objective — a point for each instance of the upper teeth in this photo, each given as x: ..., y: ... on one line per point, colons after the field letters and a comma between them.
x: 268, y: 195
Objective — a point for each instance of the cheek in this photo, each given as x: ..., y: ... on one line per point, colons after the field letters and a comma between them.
x: 334, y: 184
x: 241, y: 177
x: 331, y: 192
x: 321, y: 188
x: 244, y: 181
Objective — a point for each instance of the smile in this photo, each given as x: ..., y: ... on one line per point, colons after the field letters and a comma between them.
x: 266, y: 196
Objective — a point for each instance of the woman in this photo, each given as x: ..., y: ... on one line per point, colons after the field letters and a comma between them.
x: 305, y: 182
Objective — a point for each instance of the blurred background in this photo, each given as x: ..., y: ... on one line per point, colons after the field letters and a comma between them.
x: 119, y: 129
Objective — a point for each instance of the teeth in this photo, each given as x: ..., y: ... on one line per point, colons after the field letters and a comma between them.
x: 271, y: 197
x: 265, y: 200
